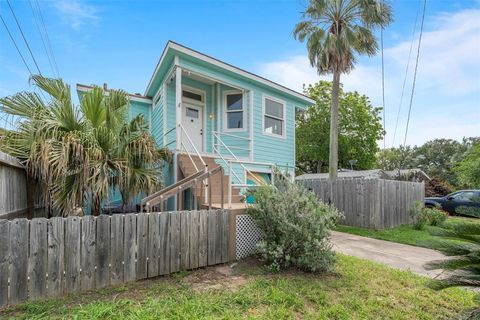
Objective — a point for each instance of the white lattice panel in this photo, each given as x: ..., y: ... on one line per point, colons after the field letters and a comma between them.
x: 247, y: 236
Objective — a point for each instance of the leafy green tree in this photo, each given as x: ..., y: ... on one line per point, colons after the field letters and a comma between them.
x: 437, y: 157
x: 335, y: 32
x: 468, y: 170
x: 82, y: 152
x: 359, y: 129
x: 395, y: 158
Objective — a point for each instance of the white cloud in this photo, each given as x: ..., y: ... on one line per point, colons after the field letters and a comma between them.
x: 77, y: 13
x: 448, y: 80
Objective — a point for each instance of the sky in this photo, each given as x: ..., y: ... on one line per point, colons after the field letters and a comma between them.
x: 120, y: 42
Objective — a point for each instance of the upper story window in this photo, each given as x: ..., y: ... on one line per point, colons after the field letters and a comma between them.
x: 274, y: 117
x: 234, y: 111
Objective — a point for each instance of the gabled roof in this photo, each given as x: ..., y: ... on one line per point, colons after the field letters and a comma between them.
x: 226, y: 66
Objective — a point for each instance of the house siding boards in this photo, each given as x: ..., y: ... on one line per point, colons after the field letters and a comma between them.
x: 214, y: 79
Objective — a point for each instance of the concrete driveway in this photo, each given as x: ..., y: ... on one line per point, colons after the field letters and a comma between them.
x: 396, y: 255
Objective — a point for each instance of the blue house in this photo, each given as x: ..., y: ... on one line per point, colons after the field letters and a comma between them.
x: 226, y: 127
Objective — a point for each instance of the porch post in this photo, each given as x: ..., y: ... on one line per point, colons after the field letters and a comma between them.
x: 178, y: 121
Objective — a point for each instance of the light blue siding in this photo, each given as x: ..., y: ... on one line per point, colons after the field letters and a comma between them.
x: 137, y: 107
x: 279, y: 151
x: 156, y: 129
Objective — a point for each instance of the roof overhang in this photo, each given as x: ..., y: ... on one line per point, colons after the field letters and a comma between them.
x: 133, y: 97
x: 208, y: 59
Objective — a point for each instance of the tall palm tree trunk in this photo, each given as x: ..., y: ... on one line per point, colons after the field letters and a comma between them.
x: 333, y: 156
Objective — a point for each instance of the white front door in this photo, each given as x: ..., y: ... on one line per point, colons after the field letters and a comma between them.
x: 192, y: 121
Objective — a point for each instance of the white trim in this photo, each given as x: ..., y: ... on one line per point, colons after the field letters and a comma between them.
x: 228, y: 67
x: 294, y: 141
x: 201, y: 104
x: 200, y: 92
x: 212, y: 112
x: 224, y: 111
x: 165, y: 111
x: 252, y: 135
x: 85, y: 88
x: 218, y: 106
x: 284, y: 126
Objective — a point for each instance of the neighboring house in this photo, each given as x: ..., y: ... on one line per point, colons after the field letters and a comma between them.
x: 209, y: 112
x: 415, y: 175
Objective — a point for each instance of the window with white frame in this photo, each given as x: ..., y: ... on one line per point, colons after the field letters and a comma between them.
x: 274, y: 117
x: 234, y: 111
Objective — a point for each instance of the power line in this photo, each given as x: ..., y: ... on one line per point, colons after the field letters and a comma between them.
x: 23, y: 36
x: 415, y: 73
x: 406, y: 74
x: 383, y: 89
x: 41, y: 35
x: 48, y: 38
x: 16, y: 46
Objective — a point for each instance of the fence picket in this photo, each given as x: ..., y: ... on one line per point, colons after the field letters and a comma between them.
x: 102, y: 252
x: 174, y: 235
x: 72, y: 254
x: 4, y: 260
x: 130, y: 247
x: 19, y: 260
x: 203, y: 239
x: 194, y: 220
x: 153, y: 244
x: 116, y: 249
x: 56, y: 260
x: 142, y: 242
x: 88, y: 253
x: 184, y: 240
x: 37, y: 261
x: 164, y: 245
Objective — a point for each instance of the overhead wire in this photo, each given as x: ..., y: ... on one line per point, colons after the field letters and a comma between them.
x: 406, y: 74
x: 49, y: 44
x: 415, y: 73
x: 383, y: 90
x: 23, y: 36
x: 37, y: 24
x: 16, y: 46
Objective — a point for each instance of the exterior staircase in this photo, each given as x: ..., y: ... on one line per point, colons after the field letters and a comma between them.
x: 187, y: 168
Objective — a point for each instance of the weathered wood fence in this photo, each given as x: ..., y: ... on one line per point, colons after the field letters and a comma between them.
x: 14, y: 200
x: 50, y: 257
x: 370, y: 203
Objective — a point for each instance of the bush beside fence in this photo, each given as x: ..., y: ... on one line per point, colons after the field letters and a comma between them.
x: 50, y: 257
x: 369, y: 203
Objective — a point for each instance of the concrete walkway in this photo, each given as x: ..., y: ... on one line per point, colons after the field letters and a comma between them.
x: 396, y: 255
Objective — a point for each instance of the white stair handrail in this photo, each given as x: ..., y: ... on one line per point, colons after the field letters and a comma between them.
x: 235, y: 157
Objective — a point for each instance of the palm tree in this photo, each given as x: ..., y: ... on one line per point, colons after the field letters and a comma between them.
x: 81, y: 153
x: 335, y: 31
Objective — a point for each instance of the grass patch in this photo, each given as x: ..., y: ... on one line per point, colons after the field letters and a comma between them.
x: 358, y: 290
x: 406, y: 233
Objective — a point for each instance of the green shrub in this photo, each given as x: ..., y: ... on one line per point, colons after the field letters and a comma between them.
x: 422, y: 216
x: 296, y: 227
x: 435, y: 217
x: 418, y: 217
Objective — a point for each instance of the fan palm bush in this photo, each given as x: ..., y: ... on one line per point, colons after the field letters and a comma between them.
x: 81, y: 153
x: 335, y: 32
x: 463, y: 265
